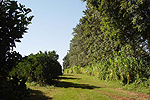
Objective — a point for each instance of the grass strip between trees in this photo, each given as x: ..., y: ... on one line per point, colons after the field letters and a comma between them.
x: 83, y: 87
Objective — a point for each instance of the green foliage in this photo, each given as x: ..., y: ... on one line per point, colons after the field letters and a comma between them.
x: 42, y: 68
x: 13, y: 24
x: 129, y: 18
x: 14, y: 89
x: 111, y: 41
x: 74, y: 69
x: 140, y: 85
x: 66, y: 61
x: 121, y: 67
x: 91, y: 41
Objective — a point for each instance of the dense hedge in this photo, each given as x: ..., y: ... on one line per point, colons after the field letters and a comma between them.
x: 42, y: 68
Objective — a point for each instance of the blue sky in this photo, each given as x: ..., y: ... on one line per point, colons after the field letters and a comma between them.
x: 51, y: 27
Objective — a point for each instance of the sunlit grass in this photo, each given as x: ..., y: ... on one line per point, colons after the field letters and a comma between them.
x: 80, y: 87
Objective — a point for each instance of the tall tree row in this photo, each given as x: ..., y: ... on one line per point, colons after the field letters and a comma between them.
x: 111, y: 29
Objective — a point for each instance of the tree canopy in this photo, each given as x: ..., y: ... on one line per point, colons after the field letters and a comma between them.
x: 13, y: 24
x: 110, y: 25
x: 14, y: 20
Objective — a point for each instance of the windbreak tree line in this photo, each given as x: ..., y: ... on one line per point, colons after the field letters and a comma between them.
x: 42, y: 68
x: 112, y: 41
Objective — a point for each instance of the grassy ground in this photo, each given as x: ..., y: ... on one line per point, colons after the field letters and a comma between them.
x: 82, y: 87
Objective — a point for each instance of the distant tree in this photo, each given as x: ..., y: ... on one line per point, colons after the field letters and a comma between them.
x: 66, y: 61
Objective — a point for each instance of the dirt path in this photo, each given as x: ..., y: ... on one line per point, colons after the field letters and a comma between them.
x: 139, y: 96
x: 82, y: 87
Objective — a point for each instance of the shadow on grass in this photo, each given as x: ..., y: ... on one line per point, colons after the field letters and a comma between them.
x: 67, y: 75
x: 68, y: 78
x: 37, y: 95
x: 75, y: 85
